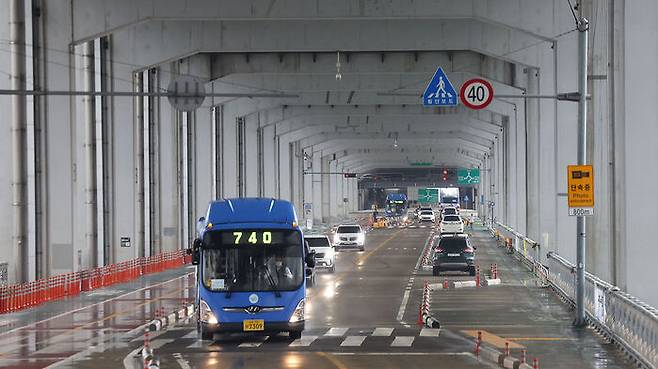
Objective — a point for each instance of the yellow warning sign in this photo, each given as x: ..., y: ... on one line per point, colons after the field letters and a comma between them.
x: 580, y: 180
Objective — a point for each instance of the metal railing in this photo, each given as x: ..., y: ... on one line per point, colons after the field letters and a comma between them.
x: 621, y: 317
x: 524, y: 247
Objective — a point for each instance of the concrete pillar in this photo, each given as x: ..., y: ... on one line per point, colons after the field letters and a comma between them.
x: 317, y: 185
x: 532, y: 154
x: 169, y: 175
x: 91, y: 210
x: 229, y: 152
x: 203, y: 162
x: 333, y: 190
x: 138, y: 148
x: 269, y: 163
x: 18, y: 138
x: 296, y: 172
x: 307, y: 181
x: 325, y: 188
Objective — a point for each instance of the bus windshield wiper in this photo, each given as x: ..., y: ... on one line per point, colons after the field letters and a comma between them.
x: 272, y: 283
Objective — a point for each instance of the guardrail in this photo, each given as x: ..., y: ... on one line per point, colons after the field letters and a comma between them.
x: 25, y: 295
x: 527, y: 248
x: 622, y: 318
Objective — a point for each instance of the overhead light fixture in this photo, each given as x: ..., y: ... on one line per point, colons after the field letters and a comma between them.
x: 339, y: 76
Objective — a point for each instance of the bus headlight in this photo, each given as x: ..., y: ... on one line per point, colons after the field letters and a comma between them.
x: 298, y: 314
x: 205, y: 314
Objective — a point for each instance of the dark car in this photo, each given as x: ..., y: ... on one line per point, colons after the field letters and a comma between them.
x: 455, y: 253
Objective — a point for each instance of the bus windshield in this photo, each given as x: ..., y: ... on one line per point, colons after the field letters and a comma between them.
x: 252, y: 260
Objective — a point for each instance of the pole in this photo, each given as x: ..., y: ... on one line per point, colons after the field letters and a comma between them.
x: 583, y: 27
x: 18, y: 138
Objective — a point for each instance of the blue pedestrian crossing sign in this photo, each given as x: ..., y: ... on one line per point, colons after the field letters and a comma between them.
x: 439, y: 91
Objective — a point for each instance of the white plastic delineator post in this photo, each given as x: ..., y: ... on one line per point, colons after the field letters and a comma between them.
x: 492, y: 282
x: 463, y: 284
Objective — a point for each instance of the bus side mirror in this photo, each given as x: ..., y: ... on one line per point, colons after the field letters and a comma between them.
x: 196, y: 251
x: 310, y: 259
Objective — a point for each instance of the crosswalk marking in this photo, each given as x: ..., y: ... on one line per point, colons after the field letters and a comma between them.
x: 403, y: 341
x: 429, y: 332
x: 305, y: 341
x: 382, y: 332
x: 256, y: 343
x: 353, y: 341
x: 336, y: 332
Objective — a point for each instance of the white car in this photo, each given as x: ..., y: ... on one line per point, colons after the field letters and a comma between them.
x: 350, y: 235
x: 451, y: 224
x: 449, y: 211
x: 426, y: 216
x: 325, y: 254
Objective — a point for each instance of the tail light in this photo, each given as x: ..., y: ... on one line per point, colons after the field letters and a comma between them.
x: 468, y: 249
x: 440, y: 250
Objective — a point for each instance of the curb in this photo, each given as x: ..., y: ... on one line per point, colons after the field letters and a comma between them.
x: 430, y: 321
x: 492, y: 282
x: 463, y: 284
x: 499, y: 358
x: 175, y: 317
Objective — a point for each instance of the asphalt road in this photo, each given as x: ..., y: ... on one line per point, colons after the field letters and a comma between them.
x: 354, y: 320
x: 362, y: 316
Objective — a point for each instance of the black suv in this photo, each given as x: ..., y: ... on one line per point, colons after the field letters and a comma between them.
x: 453, y: 252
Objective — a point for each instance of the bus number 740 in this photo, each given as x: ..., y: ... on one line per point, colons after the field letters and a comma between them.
x: 265, y: 238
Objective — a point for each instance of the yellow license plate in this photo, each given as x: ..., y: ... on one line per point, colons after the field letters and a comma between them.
x: 253, y: 325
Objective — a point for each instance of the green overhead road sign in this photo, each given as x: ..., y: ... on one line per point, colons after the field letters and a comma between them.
x: 428, y: 195
x: 468, y: 176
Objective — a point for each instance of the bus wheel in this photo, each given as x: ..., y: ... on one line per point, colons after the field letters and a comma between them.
x: 295, y: 335
x: 205, y: 335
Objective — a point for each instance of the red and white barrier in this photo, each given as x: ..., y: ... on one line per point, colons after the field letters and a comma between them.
x: 25, y: 295
x: 424, y: 316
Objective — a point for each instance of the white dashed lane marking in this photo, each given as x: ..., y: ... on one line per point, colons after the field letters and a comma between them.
x: 382, y: 332
x: 403, y: 341
x: 429, y: 332
x: 336, y: 332
x: 353, y: 341
x: 304, y: 341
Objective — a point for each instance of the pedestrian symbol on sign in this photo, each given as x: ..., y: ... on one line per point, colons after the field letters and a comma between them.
x: 439, y: 91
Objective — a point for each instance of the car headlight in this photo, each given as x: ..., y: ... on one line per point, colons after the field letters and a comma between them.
x: 336, y: 238
x: 361, y: 237
x: 298, y: 313
x: 205, y: 314
x: 330, y: 253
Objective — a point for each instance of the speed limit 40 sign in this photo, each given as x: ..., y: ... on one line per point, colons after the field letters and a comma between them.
x: 476, y: 93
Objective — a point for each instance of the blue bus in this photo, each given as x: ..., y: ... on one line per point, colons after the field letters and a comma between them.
x: 396, y: 205
x: 252, y: 265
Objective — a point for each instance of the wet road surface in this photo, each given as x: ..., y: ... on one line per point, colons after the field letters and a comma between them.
x: 362, y: 316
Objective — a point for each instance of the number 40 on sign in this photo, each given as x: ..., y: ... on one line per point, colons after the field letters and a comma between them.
x: 476, y: 93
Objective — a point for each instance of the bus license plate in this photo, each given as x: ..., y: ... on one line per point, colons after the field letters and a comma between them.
x: 253, y: 325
